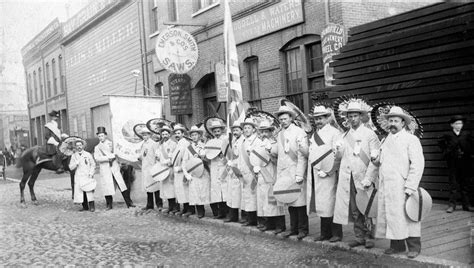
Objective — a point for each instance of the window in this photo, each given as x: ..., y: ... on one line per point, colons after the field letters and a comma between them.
x: 30, y: 90
x: 254, y: 87
x: 209, y: 96
x: 75, y: 128
x: 55, y: 78
x: 158, y: 90
x: 294, y: 84
x: 48, y: 81
x: 62, y: 83
x: 172, y: 10
x: 83, y: 126
x: 203, y: 4
x: 40, y: 81
x: 36, y: 86
x: 153, y: 16
x: 304, y: 72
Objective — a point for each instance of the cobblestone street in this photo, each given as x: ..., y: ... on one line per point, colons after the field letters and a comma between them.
x: 54, y: 232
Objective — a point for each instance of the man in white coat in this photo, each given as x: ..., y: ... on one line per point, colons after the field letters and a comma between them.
x: 249, y: 178
x: 110, y: 175
x: 217, y: 168
x: 84, y: 165
x: 322, y: 174
x: 401, y: 167
x: 234, y: 188
x: 292, y: 164
x: 357, y: 173
x: 199, y: 187
x: 147, y: 158
x: 181, y: 185
x: 267, y: 206
x: 164, y: 152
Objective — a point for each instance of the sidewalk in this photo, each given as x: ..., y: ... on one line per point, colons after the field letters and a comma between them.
x: 447, y: 239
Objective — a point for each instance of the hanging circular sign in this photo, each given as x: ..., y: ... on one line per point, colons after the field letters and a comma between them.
x: 177, y: 51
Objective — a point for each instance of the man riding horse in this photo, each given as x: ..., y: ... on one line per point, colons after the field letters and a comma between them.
x: 53, y: 137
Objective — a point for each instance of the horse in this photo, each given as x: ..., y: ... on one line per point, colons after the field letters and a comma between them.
x: 31, y: 170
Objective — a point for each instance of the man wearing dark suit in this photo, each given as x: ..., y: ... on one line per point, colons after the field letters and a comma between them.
x: 458, y: 147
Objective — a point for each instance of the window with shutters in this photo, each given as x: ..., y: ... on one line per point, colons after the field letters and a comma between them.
x: 62, y: 78
x: 253, y: 82
x: 200, y: 6
x: 40, y: 82
x: 153, y: 15
x: 48, y: 81
x: 36, y: 86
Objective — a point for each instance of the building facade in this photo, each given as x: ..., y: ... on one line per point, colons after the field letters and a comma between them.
x: 43, y: 63
x: 103, y: 49
x: 278, y: 44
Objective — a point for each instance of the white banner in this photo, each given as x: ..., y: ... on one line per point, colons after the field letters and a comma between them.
x: 126, y: 112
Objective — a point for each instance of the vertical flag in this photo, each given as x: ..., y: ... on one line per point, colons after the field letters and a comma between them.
x: 236, y: 106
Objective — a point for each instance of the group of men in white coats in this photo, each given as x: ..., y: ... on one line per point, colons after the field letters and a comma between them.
x: 361, y: 163
x: 84, y: 164
x: 261, y: 175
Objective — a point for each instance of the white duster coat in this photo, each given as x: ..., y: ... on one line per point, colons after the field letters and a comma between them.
x: 199, y: 188
x: 351, y: 163
x: 84, y: 165
x: 401, y: 166
x: 147, y: 156
x: 292, y: 153
x: 181, y: 185
x: 249, y: 195
x: 218, y: 186
x: 234, y: 188
x: 267, y: 205
x: 103, y: 152
x: 324, y: 188
x: 164, y: 152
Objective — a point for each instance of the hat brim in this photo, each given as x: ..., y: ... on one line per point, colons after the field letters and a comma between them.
x: 452, y: 120
x: 266, y: 128
x: 248, y: 123
x: 214, y: 127
x: 101, y: 133
x: 182, y: 129
x: 320, y: 114
x: 354, y: 111
x: 405, y: 117
x: 292, y: 113
x: 200, y: 131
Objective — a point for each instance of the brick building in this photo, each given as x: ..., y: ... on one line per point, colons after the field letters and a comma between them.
x: 43, y: 62
x: 278, y: 43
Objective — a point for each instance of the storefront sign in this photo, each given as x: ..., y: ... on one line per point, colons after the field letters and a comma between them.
x: 221, y: 82
x: 333, y: 38
x: 276, y: 17
x: 85, y: 14
x: 180, y: 94
x: 177, y: 51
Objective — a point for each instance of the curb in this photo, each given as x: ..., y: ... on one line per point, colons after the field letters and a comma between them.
x: 421, y: 259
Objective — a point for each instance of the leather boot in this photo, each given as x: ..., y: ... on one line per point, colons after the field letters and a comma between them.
x: 158, y: 201
x: 108, y: 202
x: 149, y: 201
x: 91, y: 206
x: 128, y: 200
x: 85, y: 206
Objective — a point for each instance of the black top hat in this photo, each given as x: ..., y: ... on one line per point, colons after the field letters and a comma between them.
x: 457, y: 118
x: 54, y: 113
x: 101, y: 130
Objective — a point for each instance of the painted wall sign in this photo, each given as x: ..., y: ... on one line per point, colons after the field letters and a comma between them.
x: 176, y: 50
x: 221, y: 85
x: 276, y: 17
x: 180, y: 94
x: 333, y: 38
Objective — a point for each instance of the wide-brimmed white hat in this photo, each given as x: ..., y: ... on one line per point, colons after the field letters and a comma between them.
x: 166, y: 128
x: 398, y: 112
x: 248, y: 121
x: 179, y: 127
x: 236, y: 124
x: 216, y: 124
x: 265, y: 124
x: 286, y: 110
x: 354, y: 107
x: 320, y: 110
x: 195, y: 129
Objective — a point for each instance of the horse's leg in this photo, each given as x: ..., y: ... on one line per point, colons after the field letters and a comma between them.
x: 31, y: 184
x: 24, y: 179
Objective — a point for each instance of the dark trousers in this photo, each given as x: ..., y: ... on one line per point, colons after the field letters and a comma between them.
x: 276, y: 222
x: 459, y: 181
x: 233, y: 214
x: 252, y: 218
x: 361, y: 231
x: 223, y: 209
x: 172, y: 205
x: 412, y: 243
x: 329, y: 228
x: 200, y: 210
x: 158, y: 200
x: 298, y: 220
x: 149, y: 200
x: 215, y: 209
x: 262, y: 221
x: 85, y: 204
x: 188, y: 208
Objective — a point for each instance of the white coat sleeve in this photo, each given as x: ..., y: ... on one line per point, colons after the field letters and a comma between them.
x: 372, y: 171
x: 74, y: 162
x: 302, y: 153
x: 417, y: 164
x: 99, y: 157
